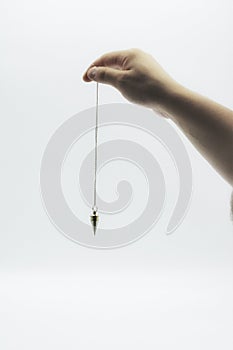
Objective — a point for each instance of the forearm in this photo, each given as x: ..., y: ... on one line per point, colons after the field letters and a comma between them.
x: 207, y: 124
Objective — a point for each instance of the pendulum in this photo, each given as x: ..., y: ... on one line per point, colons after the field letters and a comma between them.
x: 94, y: 217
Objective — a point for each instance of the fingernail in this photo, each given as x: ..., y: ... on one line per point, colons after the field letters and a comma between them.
x: 91, y: 73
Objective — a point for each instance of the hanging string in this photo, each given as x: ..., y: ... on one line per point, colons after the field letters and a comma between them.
x: 96, y: 138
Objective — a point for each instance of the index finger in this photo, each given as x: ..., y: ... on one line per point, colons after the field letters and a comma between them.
x: 114, y: 59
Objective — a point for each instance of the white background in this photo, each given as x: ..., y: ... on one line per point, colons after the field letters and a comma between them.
x: 162, y: 291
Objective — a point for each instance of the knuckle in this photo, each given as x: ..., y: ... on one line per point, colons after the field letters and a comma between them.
x: 135, y: 51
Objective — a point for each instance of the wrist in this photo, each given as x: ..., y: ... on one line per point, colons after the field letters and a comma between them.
x: 166, y: 104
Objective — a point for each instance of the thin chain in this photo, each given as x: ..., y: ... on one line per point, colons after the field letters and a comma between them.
x: 96, y: 134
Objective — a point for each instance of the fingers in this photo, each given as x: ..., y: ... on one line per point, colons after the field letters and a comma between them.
x: 104, y: 75
x: 115, y: 59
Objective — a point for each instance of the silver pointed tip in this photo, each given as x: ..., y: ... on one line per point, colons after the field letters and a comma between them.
x: 94, y: 220
x: 94, y: 230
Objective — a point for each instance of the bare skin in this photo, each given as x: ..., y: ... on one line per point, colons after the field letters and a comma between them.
x: 140, y: 79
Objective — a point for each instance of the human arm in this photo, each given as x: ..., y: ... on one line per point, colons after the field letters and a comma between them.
x: 139, y: 77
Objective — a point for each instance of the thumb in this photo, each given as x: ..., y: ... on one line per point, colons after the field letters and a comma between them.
x: 104, y: 75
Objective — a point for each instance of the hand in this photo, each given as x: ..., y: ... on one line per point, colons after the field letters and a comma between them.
x: 136, y: 75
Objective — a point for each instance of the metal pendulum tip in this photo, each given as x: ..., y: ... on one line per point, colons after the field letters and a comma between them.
x: 94, y: 219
